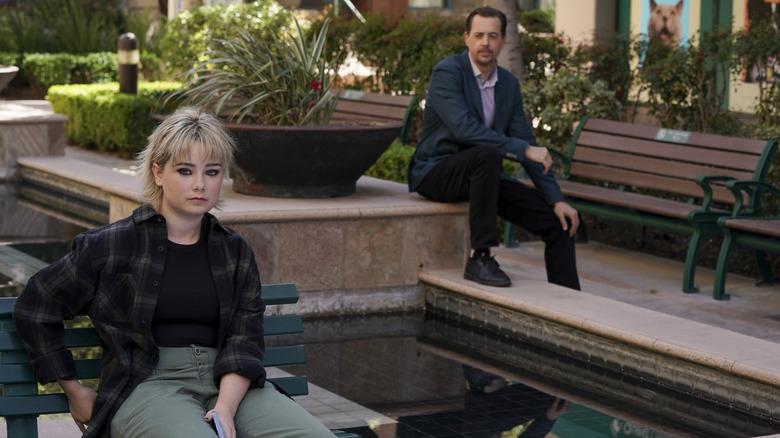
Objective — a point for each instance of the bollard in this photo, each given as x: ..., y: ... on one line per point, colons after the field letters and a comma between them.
x: 129, y: 58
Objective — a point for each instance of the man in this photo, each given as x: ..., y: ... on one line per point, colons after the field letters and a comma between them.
x: 474, y: 119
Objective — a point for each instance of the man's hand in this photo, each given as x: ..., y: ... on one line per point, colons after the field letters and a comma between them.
x: 539, y: 154
x: 563, y: 211
x: 80, y: 402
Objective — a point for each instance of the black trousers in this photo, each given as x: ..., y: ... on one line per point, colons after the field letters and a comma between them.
x: 474, y: 175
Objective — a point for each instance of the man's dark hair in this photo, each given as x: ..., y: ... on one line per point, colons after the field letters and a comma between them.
x: 487, y: 12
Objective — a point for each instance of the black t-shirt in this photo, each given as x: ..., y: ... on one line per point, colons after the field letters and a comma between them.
x: 187, y: 310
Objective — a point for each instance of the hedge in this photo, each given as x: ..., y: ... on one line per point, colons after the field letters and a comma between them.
x: 100, y: 117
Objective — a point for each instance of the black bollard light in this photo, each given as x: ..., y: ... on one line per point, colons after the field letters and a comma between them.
x: 129, y: 58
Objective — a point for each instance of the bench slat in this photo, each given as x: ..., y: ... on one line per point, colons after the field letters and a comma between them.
x: 293, y: 385
x: 284, y: 355
x: 282, y: 324
x: 38, y: 404
x: 643, y: 180
x: 669, y: 151
x: 665, y: 207
x: 676, y: 169
x: 712, y: 141
x: 757, y: 226
x: 284, y: 293
x: 379, y: 111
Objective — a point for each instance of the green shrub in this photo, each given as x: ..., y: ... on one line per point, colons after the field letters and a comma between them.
x: 101, y: 117
x: 393, y: 163
x: 55, y: 26
x: 189, y: 34
x: 44, y: 70
x: 537, y: 20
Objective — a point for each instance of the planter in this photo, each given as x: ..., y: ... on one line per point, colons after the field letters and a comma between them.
x: 307, y: 162
x: 7, y: 73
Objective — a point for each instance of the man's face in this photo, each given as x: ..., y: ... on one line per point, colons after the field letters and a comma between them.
x: 484, y: 40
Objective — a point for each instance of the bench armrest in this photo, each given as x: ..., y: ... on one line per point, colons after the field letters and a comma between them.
x: 753, y: 189
x: 705, y: 182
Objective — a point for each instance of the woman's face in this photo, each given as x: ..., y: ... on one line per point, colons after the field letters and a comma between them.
x: 190, y: 186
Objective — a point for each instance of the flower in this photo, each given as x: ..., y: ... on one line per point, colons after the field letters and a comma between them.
x: 284, y: 81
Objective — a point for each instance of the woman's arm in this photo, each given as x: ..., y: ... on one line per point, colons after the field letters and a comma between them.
x: 232, y: 389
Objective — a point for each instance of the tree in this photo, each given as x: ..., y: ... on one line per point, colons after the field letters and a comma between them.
x: 511, y: 57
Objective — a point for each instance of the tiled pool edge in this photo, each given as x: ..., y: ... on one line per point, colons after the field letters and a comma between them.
x: 535, y: 312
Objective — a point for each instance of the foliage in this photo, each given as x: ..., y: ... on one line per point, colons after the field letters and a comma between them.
x: 61, y: 26
x: 101, y: 117
x: 192, y: 32
x: 393, y: 164
x: 681, y: 83
x: 403, y: 52
x: 283, y: 81
x: 544, y: 55
x: 537, y: 20
x: 562, y: 100
x: 43, y: 70
x: 608, y: 58
x: 753, y: 48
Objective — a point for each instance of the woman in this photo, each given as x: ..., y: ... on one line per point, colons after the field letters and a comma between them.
x: 175, y: 298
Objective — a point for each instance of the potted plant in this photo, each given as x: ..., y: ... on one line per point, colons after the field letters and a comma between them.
x: 277, y: 101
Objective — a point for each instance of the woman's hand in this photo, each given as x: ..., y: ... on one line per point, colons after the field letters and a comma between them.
x: 81, y: 400
x: 232, y: 388
x: 225, y: 420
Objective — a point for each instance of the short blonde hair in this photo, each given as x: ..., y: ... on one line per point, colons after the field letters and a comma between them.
x: 172, y: 139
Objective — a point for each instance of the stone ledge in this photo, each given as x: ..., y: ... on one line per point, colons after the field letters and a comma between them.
x: 711, y: 362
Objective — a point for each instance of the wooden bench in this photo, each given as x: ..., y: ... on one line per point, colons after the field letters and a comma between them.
x: 354, y: 104
x: 748, y: 227
x: 21, y: 404
x: 668, y: 179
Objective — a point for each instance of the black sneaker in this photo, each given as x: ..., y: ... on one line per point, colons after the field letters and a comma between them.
x: 483, y: 268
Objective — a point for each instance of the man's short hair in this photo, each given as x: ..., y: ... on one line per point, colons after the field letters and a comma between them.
x: 486, y: 12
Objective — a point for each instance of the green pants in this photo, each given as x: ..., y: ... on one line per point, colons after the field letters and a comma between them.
x: 172, y: 401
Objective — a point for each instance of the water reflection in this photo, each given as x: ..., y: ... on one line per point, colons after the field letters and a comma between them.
x: 495, y: 406
x: 441, y: 379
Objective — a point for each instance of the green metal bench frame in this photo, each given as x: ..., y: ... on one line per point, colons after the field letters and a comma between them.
x: 21, y: 404
x: 748, y: 227
x: 662, y: 178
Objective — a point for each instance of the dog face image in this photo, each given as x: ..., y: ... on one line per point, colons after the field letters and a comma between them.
x: 666, y: 22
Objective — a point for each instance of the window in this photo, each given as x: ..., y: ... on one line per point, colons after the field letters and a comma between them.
x: 428, y: 4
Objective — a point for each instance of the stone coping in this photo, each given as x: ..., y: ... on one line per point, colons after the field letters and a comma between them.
x: 709, y: 346
x: 374, y: 198
x: 20, y: 112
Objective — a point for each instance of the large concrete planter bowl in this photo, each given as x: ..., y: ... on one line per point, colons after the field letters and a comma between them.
x: 307, y: 162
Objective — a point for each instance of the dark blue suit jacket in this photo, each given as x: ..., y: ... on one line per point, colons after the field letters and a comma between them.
x: 453, y: 121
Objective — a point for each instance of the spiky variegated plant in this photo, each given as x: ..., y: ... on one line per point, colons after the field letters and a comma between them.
x: 283, y: 82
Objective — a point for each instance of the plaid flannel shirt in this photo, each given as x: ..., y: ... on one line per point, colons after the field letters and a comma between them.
x: 113, y: 274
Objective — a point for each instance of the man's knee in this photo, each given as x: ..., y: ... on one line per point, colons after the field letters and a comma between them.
x: 487, y: 158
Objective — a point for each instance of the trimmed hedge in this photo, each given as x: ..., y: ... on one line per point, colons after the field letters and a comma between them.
x: 102, y: 118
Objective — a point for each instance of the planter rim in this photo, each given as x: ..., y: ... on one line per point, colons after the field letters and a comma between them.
x: 375, y: 124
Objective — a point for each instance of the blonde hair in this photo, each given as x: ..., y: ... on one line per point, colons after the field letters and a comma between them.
x: 172, y: 140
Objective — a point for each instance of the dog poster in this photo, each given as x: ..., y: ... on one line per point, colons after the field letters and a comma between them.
x: 666, y: 20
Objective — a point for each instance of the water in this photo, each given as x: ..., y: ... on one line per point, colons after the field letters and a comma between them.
x: 440, y: 378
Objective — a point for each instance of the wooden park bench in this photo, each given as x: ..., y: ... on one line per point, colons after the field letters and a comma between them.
x: 354, y: 104
x: 656, y: 177
x: 21, y: 404
x: 748, y: 227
